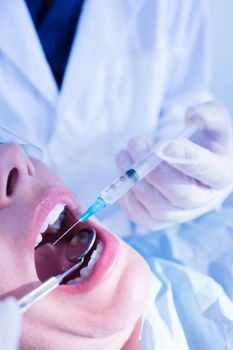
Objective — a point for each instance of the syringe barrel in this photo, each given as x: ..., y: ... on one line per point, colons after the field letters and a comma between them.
x: 146, y: 164
x: 125, y: 182
x: 119, y: 186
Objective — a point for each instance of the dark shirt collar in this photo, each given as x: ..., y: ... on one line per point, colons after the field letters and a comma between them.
x: 56, y: 22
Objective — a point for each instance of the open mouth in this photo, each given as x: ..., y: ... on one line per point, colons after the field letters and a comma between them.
x: 52, y: 259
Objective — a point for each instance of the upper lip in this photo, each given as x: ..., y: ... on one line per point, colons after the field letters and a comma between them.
x: 46, y: 203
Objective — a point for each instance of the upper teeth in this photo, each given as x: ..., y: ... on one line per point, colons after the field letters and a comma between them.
x: 38, y: 239
x: 52, y: 216
x: 52, y: 219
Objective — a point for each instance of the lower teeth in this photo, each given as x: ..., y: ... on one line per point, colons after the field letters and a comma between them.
x: 86, y: 271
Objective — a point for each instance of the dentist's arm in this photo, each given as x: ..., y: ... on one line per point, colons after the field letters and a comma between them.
x: 10, y: 324
x: 194, y: 179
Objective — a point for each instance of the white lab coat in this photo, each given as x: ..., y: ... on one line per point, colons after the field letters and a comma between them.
x: 134, y: 68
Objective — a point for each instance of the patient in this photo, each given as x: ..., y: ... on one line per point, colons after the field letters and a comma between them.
x: 101, y: 307
x: 112, y: 302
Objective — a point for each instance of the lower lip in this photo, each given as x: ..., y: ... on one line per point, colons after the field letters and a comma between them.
x: 103, y: 267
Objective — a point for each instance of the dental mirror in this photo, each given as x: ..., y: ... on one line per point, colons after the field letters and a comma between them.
x: 81, y: 244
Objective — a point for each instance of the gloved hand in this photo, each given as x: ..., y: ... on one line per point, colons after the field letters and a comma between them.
x: 10, y: 324
x: 194, y: 179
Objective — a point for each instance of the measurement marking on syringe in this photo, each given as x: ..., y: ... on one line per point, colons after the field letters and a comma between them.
x: 116, y: 184
x: 129, y: 174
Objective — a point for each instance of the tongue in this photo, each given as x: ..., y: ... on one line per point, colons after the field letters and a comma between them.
x: 51, y: 260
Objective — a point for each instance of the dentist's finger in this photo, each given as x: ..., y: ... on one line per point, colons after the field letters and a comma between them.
x: 179, y: 189
x: 173, y: 186
x: 216, y: 120
x: 138, y: 213
x: 138, y: 147
x: 212, y: 169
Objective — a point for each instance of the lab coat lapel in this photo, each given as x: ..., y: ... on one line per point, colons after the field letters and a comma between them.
x: 20, y: 43
x: 103, y: 26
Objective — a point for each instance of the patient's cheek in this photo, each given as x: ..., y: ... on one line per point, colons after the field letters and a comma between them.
x: 133, y: 289
x: 45, y: 174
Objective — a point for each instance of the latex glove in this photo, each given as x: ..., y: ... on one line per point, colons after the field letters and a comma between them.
x: 10, y: 324
x: 194, y: 179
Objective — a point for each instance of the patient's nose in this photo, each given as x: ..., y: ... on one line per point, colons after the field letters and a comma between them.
x: 15, y: 166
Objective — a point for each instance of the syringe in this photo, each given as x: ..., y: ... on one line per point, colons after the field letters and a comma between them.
x: 137, y: 172
x: 126, y: 181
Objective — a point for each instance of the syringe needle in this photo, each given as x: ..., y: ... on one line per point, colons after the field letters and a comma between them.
x: 65, y: 233
x: 96, y: 206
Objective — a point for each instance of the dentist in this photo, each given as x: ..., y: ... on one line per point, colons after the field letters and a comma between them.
x: 81, y: 79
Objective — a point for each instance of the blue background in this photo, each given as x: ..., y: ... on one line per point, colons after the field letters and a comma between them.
x: 221, y: 18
